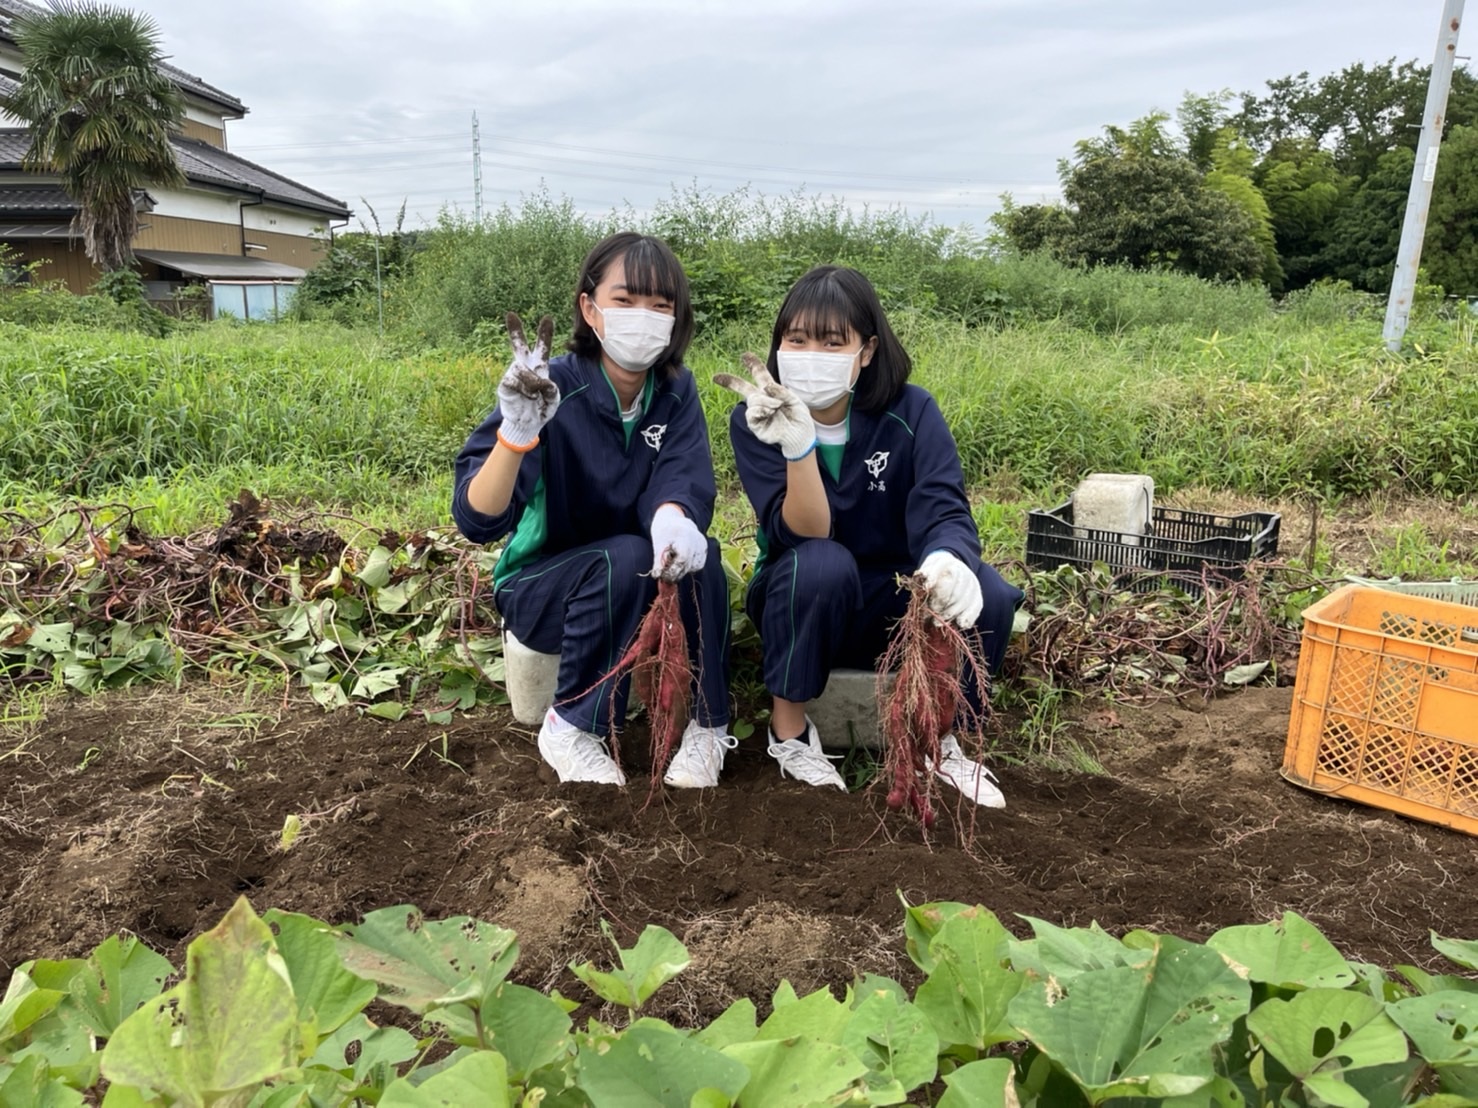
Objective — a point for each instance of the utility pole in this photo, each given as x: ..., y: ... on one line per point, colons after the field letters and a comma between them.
x: 1419, y: 199
x: 476, y: 171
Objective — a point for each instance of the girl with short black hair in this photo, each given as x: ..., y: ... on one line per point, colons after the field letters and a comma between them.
x: 597, y: 466
x: 855, y: 479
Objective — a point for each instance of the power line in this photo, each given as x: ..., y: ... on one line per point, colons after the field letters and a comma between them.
x: 606, y: 152
x: 833, y: 186
x: 556, y: 166
x: 414, y: 115
x: 727, y: 165
x: 961, y: 198
x: 347, y: 142
x: 367, y: 171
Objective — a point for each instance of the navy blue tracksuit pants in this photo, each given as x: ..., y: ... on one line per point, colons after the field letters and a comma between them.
x: 585, y: 604
x: 816, y: 610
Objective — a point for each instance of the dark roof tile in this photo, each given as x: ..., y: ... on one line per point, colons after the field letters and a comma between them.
x: 36, y: 200
x: 42, y: 201
x: 224, y: 165
x: 207, y: 165
x: 14, y: 142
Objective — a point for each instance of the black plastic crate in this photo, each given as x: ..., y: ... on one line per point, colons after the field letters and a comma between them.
x: 1179, y: 545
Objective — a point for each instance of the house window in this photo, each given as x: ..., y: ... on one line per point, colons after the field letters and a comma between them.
x: 257, y: 301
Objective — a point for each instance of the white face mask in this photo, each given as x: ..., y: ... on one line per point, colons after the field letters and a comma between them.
x: 635, y: 337
x: 819, y: 378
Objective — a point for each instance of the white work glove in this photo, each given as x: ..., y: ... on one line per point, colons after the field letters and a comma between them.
x: 954, y: 590
x: 774, y: 413
x: 678, y: 547
x: 527, y: 397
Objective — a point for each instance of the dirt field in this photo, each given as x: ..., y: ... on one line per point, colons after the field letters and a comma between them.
x: 152, y: 811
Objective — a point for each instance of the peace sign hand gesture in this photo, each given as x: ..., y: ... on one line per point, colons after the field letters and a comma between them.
x: 774, y: 413
x: 526, y: 395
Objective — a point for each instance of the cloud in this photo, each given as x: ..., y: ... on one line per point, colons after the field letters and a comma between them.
x: 936, y: 105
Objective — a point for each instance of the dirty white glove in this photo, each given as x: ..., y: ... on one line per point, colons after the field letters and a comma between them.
x: 678, y: 547
x: 527, y: 397
x: 774, y: 413
x: 954, y: 590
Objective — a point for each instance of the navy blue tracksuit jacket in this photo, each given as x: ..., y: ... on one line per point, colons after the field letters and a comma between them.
x: 572, y: 579
x: 899, y: 496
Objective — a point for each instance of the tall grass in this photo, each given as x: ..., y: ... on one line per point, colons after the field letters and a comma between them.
x: 328, y: 414
x: 89, y: 410
x: 470, y: 275
x: 743, y: 250
x: 1044, y: 372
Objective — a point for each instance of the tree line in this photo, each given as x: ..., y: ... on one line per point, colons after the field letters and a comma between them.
x: 1304, y: 182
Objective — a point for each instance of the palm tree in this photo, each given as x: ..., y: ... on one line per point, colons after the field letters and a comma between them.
x: 100, y: 113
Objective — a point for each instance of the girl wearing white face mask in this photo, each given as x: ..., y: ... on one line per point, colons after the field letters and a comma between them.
x: 855, y: 479
x: 596, y: 465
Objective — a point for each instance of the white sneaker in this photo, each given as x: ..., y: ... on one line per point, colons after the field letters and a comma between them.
x: 804, y: 760
x: 699, y: 759
x: 971, y: 778
x: 577, y: 755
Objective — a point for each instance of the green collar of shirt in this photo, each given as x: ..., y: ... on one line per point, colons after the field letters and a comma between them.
x: 629, y: 425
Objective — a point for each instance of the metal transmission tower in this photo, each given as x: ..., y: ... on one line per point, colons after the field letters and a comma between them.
x: 1419, y: 199
x: 476, y: 171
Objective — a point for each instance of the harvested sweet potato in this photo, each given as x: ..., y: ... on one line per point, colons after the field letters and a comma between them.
x: 924, y: 701
x: 661, y: 675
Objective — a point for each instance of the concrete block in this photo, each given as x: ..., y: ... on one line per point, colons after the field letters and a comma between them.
x: 1119, y: 503
x: 846, y: 712
x: 531, y: 678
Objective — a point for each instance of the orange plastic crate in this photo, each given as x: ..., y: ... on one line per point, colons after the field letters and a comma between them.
x: 1385, y: 707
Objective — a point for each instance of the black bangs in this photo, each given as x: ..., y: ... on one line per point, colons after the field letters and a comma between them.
x: 652, y: 270
x: 833, y: 299
x: 819, y: 306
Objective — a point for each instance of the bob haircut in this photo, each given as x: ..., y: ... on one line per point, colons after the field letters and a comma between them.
x: 651, y: 270
x: 832, y: 299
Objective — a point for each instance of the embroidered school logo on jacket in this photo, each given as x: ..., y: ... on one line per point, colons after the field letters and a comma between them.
x: 875, y: 466
x: 654, y: 434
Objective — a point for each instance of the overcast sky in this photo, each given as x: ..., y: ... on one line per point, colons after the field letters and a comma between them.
x: 937, y: 106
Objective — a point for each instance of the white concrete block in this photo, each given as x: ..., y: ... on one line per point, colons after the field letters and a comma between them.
x: 1120, y: 503
x: 531, y: 678
x: 846, y: 712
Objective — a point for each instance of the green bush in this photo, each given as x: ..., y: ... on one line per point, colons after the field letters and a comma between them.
x: 742, y: 252
x: 51, y: 304
x: 470, y: 275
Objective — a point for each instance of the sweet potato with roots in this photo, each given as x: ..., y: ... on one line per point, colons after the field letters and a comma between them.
x: 928, y: 662
x: 661, y: 675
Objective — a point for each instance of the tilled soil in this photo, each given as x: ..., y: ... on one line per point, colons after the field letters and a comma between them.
x: 151, y: 812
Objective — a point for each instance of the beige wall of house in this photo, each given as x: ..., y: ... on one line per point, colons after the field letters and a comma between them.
x: 214, y: 207
x: 204, y: 124
x: 197, y: 236
x: 287, y: 249
x: 64, y: 259
x: 204, y: 132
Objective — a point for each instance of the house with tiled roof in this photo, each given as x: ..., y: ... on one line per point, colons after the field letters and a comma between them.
x: 236, y: 226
